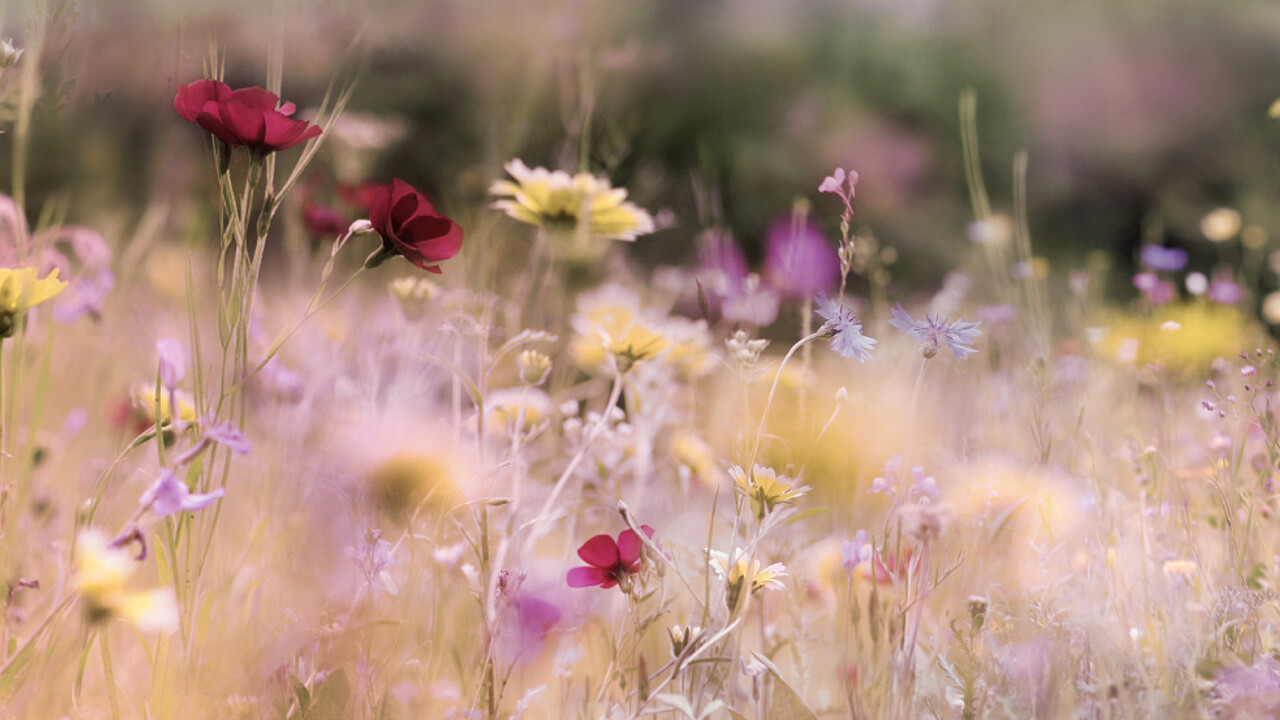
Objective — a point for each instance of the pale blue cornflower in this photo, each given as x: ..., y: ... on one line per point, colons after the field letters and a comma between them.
x: 844, y: 329
x: 933, y: 332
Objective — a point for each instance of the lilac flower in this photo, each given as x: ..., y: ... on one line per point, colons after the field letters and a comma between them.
x: 856, y: 551
x: 888, y: 482
x: 844, y: 329
x: 1168, y: 259
x: 736, y: 293
x: 173, y: 363
x: 933, y: 332
x: 924, y: 485
x: 798, y: 260
x: 168, y: 495
x: 228, y: 436
x: 1225, y: 292
x: 835, y: 183
x: 373, y: 557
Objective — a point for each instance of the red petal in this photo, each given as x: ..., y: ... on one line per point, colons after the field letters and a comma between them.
x: 212, y: 122
x: 629, y: 546
x: 404, y: 202
x: 257, y: 98
x: 246, y: 122
x: 600, y: 551
x: 380, y: 209
x: 191, y: 98
x: 588, y: 576
x: 283, y: 133
x: 435, y: 238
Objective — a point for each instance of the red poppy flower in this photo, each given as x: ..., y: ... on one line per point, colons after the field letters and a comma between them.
x: 608, y: 561
x: 248, y: 117
x: 411, y: 227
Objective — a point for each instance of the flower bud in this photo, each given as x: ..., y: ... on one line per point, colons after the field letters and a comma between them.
x: 8, y: 54
x: 534, y: 367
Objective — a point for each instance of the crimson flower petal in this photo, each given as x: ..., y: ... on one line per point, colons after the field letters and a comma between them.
x: 600, y: 551
x: 588, y: 576
x: 256, y: 98
x: 629, y: 546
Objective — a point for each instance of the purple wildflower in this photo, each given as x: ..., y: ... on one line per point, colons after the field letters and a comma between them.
x: 856, y: 551
x: 933, y: 332
x: 835, y: 183
x: 1167, y: 259
x: 888, y: 482
x: 168, y: 495
x: 844, y: 329
x: 799, y: 262
x: 1225, y: 292
x: 228, y: 436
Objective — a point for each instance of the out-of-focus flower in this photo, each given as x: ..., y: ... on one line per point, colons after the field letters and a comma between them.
x: 250, y: 117
x: 534, y: 367
x: 1225, y: 291
x: 933, y: 332
x: 406, y: 479
x: 888, y: 480
x: 168, y: 495
x: 611, y: 329
x: 765, y: 488
x: 583, y: 203
x: 695, y: 457
x: 374, y: 558
x: 608, y: 561
x: 323, y: 222
x: 856, y: 551
x: 1166, y: 259
x: 173, y: 363
x: 1179, y: 569
x: 100, y: 576
x: 21, y: 290
x: 923, y: 522
x: 995, y: 230
x: 143, y: 397
x: 9, y: 54
x: 1197, y: 283
x: 730, y: 290
x: 414, y: 295
x: 411, y: 227
x: 844, y: 329
x: 1157, y: 291
x: 509, y: 410
x: 745, y: 573
x: 1220, y: 224
x: 798, y: 260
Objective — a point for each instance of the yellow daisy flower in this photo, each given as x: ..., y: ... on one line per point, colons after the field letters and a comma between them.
x: 100, y: 577
x: 555, y: 200
x: 21, y: 290
x: 765, y: 487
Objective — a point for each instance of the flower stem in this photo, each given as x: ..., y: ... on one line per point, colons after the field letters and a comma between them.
x: 755, y: 447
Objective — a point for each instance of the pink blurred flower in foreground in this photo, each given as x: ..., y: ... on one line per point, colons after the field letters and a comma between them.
x: 799, y: 261
x: 168, y: 495
x: 609, y: 561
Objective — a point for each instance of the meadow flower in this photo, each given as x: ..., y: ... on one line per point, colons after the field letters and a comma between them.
x: 583, y: 203
x: 1156, y: 290
x: 410, y: 226
x: 250, y: 117
x: 374, y: 557
x: 765, y: 488
x: 608, y: 561
x: 143, y: 398
x: 101, y: 573
x: 9, y: 54
x: 745, y: 573
x: 611, y: 326
x: 933, y: 332
x: 507, y: 406
x: 534, y: 367
x: 836, y: 183
x: 1220, y: 224
x: 844, y: 329
x: 168, y: 495
x: 798, y: 260
x: 173, y: 363
x: 1166, y: 259
x: 21, y: 290
x: 1225, y: 292
x: 856, y: 551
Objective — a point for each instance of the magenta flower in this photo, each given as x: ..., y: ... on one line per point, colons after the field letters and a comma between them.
x: 608, y: 561
x: 799, y: 261
x: 248, y: 117
x: 411, y: 227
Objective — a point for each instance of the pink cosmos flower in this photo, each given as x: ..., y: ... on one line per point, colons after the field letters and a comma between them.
x: 609, y: 561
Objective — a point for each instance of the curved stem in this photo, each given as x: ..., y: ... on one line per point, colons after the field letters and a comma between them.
x: 755, y: 446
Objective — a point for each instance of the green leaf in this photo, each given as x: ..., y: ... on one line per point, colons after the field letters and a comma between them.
x: 329, y: 701
x: 785, y: 704
x: 10, y: 676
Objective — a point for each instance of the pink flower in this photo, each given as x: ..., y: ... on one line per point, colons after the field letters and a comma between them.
x: 248, y: 117
x: 608, y: 561
x: 411, y: 227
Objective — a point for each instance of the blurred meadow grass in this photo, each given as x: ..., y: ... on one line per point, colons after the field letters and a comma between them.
x: 254, y: 465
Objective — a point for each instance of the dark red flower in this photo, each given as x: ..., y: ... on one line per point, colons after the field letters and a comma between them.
x: 359, y: 197
x: 323, y: 222
x: 248, y: 117
x: 608, y: 561
x: 411, y: 227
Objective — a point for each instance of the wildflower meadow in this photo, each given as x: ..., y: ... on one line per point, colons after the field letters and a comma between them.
x: 696, y: 361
